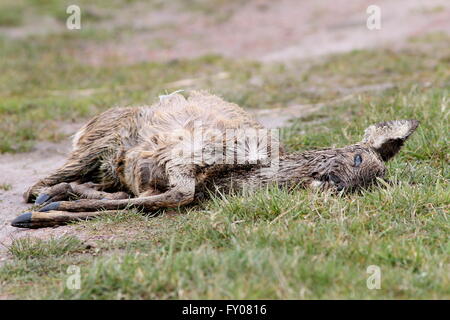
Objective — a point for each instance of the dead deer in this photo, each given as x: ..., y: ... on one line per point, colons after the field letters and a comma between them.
x: 142, y: 157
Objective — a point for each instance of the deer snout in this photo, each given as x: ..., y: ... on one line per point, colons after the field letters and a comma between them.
x: 332, y: 178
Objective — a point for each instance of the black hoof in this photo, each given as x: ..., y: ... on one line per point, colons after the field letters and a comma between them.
x: 50, y: 206
x: 41, y: 198
x: 22, y: 221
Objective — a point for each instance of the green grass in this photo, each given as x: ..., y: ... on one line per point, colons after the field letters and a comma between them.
x: 10, y: 16
x: 45, y: 78
x: 27, y: 248
x: 271, y: 244
x: 5, y: 186
x: 276, y: 244
x: 15, y: 13
x: 43, y: 81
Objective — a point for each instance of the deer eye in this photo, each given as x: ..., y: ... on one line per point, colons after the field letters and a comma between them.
x: 358, y: 160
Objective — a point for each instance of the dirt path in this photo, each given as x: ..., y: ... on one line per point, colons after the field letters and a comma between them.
x: 19, y: 171
x: 273, y: 30
x: 265, y: 30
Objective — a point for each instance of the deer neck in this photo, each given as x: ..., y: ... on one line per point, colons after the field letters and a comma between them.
x: 291, y: 170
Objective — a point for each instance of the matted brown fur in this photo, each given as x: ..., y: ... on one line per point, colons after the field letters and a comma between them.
x: 137, y: 157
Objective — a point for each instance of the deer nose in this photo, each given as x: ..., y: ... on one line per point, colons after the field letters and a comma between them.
x: 336, y: 180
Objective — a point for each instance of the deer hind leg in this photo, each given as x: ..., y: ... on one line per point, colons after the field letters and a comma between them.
x: 74, y: 169
x: 74, y: 190
x: 92, y: 142
x: 92, y: 190
x: 36, y: 219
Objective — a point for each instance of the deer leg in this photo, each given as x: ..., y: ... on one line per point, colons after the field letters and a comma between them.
x: 62, y: 212
x: 90, y: 190
x: 172, y: 198
x: 36, y: 219
x: 60, y: 191
x: 181, y: 193
x: 64, y: 190
x: 77, y: 166
x: 181, y: 179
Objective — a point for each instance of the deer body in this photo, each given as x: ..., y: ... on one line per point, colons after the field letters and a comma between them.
x: 141, y: 157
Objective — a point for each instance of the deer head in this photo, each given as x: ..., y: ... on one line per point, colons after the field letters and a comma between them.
x: 360, y: 164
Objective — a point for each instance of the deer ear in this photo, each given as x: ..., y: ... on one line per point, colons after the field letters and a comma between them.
x: 386, y: 138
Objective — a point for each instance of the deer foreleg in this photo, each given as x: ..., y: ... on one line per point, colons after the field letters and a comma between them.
x: 64, y: 191
x: 169, y: 199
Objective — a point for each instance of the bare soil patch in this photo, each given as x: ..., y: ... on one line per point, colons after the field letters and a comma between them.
x: 271, y: 30
x: 19, y: 172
